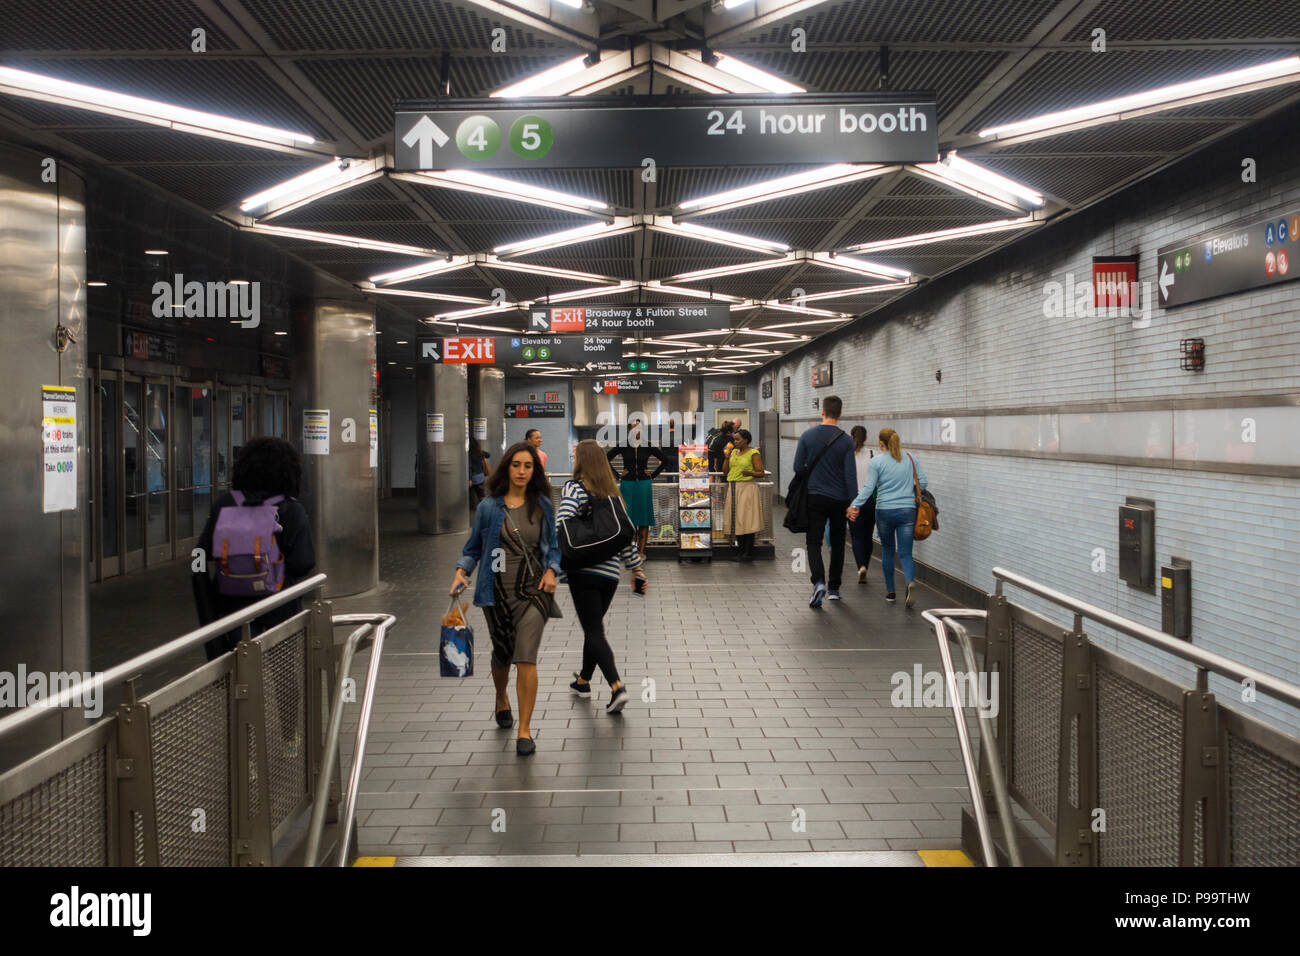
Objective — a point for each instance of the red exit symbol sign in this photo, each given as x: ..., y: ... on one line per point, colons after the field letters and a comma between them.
x: 568, y: 320
x: 467, y: 350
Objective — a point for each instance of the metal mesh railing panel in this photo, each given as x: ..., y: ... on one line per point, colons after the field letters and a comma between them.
x: 1263, y: 806
x: 1139, y: 781
x: 284, y: 686
x: 62, y: 821
x: 1074, y: 761
x: 1035, y: 717
x: 191, y: 755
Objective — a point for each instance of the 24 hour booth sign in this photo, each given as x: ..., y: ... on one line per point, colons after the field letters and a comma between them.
x: 618, y: 132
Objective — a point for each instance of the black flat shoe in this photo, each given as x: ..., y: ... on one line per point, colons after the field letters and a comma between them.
x: 525, y: 747
x: 505, y: 719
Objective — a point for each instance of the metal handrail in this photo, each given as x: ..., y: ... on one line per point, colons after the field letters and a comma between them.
x: 160, y: 654
x: 379, y: 623
x: 941, y: 618
x: 1206, y: 660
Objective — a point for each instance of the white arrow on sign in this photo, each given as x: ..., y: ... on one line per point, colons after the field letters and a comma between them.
x: 425, y: 132
x: 690, y: 365
x: 430, y: 350
x: 590, y: 366
x: 540, y: 320
x: 1166, y: 279
x: 598, y: 387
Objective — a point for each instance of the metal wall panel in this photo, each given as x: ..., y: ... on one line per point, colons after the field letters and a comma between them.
x: 43, y: 603
x: 334, y: 368
x: 442, y: 468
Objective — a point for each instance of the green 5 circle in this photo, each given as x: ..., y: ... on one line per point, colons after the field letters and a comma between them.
x: 478, y: 137
x: 531, y: 137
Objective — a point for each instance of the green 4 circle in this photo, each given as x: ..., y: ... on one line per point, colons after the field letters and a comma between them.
x: 478, y: 137
x: 531, y: 137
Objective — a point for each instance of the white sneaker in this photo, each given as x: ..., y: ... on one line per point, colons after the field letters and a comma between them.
x: 911, y: 598
x: 862, y: 575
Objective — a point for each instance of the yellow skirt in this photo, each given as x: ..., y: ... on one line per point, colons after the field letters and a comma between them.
x: 744, y: 505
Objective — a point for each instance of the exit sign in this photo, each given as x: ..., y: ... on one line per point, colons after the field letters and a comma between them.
x: 552, y: 396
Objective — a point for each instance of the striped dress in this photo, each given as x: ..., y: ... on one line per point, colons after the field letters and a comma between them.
x: 573, y: 501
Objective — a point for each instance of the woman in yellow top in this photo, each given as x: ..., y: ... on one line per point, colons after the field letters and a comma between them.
x: 744, y: 511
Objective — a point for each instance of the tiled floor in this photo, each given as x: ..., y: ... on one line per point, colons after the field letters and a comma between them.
x: 757, y: 724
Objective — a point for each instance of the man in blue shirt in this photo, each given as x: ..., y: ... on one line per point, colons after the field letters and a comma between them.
x: 831, y: 486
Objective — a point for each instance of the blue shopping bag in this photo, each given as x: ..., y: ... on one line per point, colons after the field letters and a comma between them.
x: 456, y: 647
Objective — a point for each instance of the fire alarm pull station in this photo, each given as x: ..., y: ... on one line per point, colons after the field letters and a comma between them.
x: 1176, y: 598
x: 1137, y: 542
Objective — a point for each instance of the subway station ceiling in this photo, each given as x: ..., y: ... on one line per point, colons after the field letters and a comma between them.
x: 332, y: 70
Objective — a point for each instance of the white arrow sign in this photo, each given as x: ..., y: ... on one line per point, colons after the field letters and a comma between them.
x: 1166, y: 279
x: 430, y: 350
x: 590, y: 366
x: 426, y: 132
x: 690, y: 365
x: 598, y: 387
x: 540, y: 320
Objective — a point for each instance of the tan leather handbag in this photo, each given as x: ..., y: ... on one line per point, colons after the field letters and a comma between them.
x: 924, y: 510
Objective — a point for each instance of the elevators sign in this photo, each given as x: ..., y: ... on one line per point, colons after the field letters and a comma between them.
x: 719, y: 130
x: 1251, y: 253
x: 58, y: 448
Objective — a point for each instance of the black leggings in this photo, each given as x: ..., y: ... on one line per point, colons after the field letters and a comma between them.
x: 592, y: 595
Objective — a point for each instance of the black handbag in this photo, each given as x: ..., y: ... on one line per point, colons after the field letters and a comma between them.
x: 596, y: 534
x: 796, y: 496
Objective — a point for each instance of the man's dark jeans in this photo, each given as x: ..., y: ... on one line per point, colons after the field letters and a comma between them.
x: 822, y: 510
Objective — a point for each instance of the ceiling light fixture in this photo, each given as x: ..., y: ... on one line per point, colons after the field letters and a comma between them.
x: 567, y: 237
x: 313, y: 185
x: 424, y: 269
x: 786, y: 260
x: 335, y: 239
x: 470, y: 325
x: 690, y: 230
x: 655, y: 285
x: 539, y: 81
x: 97, y: 284
x: 472, y: 181
x: 752, y: 74
x: 984, y: 185
x: 796, y: 325
x: 48, y: 89
x: 155, y: 252
x: 1262, y: 76
x: 794, y: 185
x: 859, y: 266
x: 412, y: 294
x: 511, y: 265
x: 943, y: 235
x: 858, y: 290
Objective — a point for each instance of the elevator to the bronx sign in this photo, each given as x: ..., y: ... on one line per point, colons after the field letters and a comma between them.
x: 710, y: 131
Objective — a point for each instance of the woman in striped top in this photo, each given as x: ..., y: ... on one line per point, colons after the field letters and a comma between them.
x: 593, y: 587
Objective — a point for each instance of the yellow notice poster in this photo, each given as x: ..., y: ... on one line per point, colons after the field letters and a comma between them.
x: 59, y: 447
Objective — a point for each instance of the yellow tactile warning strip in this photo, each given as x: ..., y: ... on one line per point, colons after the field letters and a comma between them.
x: 944, y: 858
x: 375, y: 861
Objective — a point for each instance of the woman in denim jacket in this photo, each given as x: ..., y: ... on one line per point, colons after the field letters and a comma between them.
x: 514, y: 530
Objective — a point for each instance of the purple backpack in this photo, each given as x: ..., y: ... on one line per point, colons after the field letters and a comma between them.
x: 249, y: 562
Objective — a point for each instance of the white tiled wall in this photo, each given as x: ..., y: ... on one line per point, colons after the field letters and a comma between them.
x: 985, y: 329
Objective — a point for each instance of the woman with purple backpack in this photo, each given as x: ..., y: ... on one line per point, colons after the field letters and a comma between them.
x: 257, y: 541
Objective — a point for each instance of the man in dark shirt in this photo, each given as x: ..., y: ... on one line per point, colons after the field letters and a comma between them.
x: 831, y: 486
x: 717, y: 453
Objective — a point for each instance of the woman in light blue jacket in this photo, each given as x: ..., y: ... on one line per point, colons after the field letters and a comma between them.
x: 514, y: 528
x: 890, y: 478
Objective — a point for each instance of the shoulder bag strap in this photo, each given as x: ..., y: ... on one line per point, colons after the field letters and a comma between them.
x: 825, y: 448
x: 523, y: 545
x: 916, y: 482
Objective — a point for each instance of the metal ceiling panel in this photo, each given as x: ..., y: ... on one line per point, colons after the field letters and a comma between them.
x: 908, y: 21
x: 949, y: 74
x: 1190, y: 20
x: 1130, y: 136
x: 143, y: 144
x: 107, y: 25
x: 678, y: 184
x: 365, y: 89
x: 390, y: 25
x: 1062, y: 80
x: 213, y: 185
x: 1074, y: 180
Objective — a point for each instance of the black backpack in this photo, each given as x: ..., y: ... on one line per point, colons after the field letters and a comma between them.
x: 796, y: 496
x: 598, y: 533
